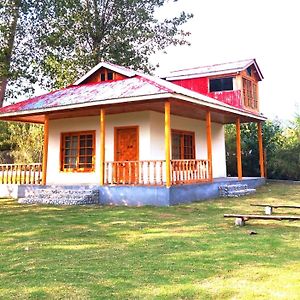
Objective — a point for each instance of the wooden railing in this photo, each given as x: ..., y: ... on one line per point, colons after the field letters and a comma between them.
x: 20, y: 173
x: 189, y: 171
x: 152, y: 172
x: 143, y: 172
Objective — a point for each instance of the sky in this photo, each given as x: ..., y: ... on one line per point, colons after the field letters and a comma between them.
x: 230, y: 30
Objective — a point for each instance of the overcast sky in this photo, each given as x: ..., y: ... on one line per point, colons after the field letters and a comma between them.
x: 229, y: 30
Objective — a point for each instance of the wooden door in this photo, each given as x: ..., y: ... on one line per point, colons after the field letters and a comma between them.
x: 126, y: 153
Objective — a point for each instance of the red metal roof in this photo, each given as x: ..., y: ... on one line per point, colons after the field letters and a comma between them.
x: 212, y: 70
x: 141, y: 87
x: 132, y: 87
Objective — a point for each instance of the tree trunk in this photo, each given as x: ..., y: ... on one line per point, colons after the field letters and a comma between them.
x: 15, y: 11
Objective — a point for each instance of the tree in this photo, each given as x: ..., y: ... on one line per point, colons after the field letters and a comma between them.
x: 282, y: 146
x: 8, y: 28
x: 16, y: 140
x: 286, y: 164
x: 272, y: 140
x: 54, y: 42
x: 17, y: 53
x: 76, y: 35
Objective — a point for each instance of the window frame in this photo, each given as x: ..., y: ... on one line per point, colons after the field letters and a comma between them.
x: 183, y: 133
x: 250, y: 93
x: 105, y: 73
x: 62, y: 151
x: 222, y: 83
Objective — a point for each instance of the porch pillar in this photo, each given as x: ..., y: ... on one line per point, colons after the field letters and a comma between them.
x: 168, y: 142
x: 238, y: 149
x: 261, y: 150
x: 45, y: 150
x: 102, y: 146
x: 209, y: 145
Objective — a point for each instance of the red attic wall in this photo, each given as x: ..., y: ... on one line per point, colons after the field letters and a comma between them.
x: 200, y: 85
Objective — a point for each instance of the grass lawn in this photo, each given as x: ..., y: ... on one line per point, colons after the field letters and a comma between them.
x: 180, y: 252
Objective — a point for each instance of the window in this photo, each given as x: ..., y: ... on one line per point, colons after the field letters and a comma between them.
x: 110, y: 76
x: 249, y: 71
x: 250, y: 94
x: 221, y: 84
x: 106, y: 75
x: 77, y: 151
x: 183, y: 145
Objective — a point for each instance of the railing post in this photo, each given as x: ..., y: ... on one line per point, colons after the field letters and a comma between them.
x: 209, y: 145
x: 45, y: 150
x: 261, y: 150
x: 238, y: 149
x: 102, y: 146
x: 168, y: 142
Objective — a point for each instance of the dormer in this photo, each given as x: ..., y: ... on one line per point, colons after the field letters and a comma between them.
x: 234, y: 83
x: 105, y: 72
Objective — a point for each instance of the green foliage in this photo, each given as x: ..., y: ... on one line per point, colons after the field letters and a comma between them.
x: 23, y: 142
x: 56, y: 41
x: 180, y: 252
x: 282, y: 146
x: 17, y: 47
x: 78, y: 35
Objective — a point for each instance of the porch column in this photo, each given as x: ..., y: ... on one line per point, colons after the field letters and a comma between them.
x: 261, y: 150
x: 238, y: 149
x: 168, y: 142
x: 209, y: 145
x: 45, y: 150
x: 102, y: 146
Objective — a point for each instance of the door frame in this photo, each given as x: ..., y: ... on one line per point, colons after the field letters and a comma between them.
x: 137, y: 139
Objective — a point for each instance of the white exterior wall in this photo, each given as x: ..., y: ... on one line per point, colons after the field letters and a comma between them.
x: 218, y: 150
x: 199, y: 128
x: 56, y: 127
x: 151, y: 142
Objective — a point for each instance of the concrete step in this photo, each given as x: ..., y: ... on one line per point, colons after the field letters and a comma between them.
x: 235, y: 190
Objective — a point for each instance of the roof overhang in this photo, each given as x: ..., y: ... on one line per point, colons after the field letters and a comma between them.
x: 147, y: 102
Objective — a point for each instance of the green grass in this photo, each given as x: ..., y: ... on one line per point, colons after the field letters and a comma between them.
x: 180, y: 252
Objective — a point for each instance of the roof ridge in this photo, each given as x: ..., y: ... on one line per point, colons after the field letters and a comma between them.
x: 213, y: 65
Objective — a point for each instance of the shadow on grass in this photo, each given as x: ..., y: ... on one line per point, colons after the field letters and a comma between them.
x: 147, y: 252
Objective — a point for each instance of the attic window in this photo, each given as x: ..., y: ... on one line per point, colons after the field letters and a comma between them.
x: 106, y: 75
x: 110, y: 76
x: 221, y: 84
x: 249, y: 71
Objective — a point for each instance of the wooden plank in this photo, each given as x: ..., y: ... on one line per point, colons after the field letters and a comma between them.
x: 209, y: 145
x: 102, y: 146
x: 168, y: 142
x: 276, y: 205
x: 261, y: 150
x: 263, y: 217
x: 45, y: 150
x: 238, y: 149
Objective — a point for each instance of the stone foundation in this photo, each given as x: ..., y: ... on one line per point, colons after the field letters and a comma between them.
x: 61, y: 196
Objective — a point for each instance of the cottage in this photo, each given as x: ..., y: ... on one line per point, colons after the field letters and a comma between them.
x: 140, y: 139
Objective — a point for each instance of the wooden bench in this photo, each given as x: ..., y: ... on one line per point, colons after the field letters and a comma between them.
x: 269, y: 207
x: 240, y: 219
